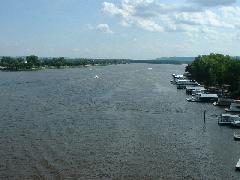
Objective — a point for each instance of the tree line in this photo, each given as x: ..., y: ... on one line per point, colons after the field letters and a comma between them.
x: 217, y: 70
x: 34, y: 62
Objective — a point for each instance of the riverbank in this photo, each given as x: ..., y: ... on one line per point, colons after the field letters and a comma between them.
x: 32, y: 63
x: 48, y: 67
x: 221, y: 72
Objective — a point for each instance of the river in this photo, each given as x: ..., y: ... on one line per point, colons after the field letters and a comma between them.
x: 130, y: 123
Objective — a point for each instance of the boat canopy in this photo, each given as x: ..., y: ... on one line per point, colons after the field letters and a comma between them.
x: 202, y: 95
x: 195, y: 88
x: 230, y: 115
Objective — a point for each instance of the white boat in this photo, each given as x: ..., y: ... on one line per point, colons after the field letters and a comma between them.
x: 236, y: 137
x: 96, y: 77
x: 236, y: 123
x: 227, y: 119
x: 177, y: 77
x: 234, y: 107
x: 238, y: 165
x: 201, y: 97
x: 195, y: 89
x: 182, y: 84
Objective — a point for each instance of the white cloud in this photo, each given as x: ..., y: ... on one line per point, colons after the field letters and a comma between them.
x: 212, y: 3
x: 195, y: 16
x: 205, y: 18
x: 104, y: 28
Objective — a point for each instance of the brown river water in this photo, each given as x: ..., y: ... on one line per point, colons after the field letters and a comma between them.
x: 130, y: 123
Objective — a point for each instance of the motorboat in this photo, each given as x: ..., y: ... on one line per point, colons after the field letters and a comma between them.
x: 236, y: 123
x: 227, y: 119
x: 236, y: 137
x: 190, y: 89
x: 234, y: 107
x: 183, y: 83
x: 197, y: 91
x: 201, y: 97
x: 177, y: 77
x: 238, y: 165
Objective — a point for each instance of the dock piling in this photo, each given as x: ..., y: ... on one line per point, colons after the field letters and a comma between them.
x: 204, y: 116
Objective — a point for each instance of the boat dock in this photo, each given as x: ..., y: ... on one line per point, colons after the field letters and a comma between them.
x: 200, y: 94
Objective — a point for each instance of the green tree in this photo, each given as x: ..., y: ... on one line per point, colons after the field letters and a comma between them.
x: 33, y: 61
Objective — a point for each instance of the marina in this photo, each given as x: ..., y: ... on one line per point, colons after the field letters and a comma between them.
x: 200, y: 94
x: 120, y: 90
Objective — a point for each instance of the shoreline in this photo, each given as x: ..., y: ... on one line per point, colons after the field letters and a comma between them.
x: 3, y: 69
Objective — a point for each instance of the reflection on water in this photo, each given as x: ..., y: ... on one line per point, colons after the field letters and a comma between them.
x: 130, y: 123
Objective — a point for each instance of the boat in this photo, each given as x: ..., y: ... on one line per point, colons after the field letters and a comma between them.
x: 194, y: 89
x: 236, y: 123
x: 223, y: 102
x: 191, y: 99
x: 96, y: 77
x: 177, y: 77
x: 236, y: 137
x: 227, y: 119
x: 190, y: 89
x: 197, y: 91
x: 234, y: 107
x: 238, y: 165
x: 201, y: 97
x: 182, y: 84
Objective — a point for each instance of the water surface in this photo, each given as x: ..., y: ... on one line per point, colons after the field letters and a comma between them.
x: 130, y: 123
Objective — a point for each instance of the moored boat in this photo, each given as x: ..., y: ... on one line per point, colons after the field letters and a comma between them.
x: 236, y: 136
x: 238, y: 165
x: 190, y: 89
x: 177, y: 77
x: 234, y: 107
x: 227, y: 119
x: 182, y: 84
x: 201, y: 97
x: 236, y: 123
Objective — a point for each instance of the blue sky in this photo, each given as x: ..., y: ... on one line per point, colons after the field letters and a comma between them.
x: 137, y: 29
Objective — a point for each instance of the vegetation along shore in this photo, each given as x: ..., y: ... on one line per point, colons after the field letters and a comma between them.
x: 35, y: 63
x: 217, y: 71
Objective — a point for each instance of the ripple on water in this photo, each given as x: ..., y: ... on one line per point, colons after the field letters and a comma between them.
x: 129, y: 124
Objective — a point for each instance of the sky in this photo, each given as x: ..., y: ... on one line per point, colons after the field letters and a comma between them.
x: 135, y: 29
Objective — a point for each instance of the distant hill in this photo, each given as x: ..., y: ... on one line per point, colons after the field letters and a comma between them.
x: 176, y: 58
x: 166, y: 60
